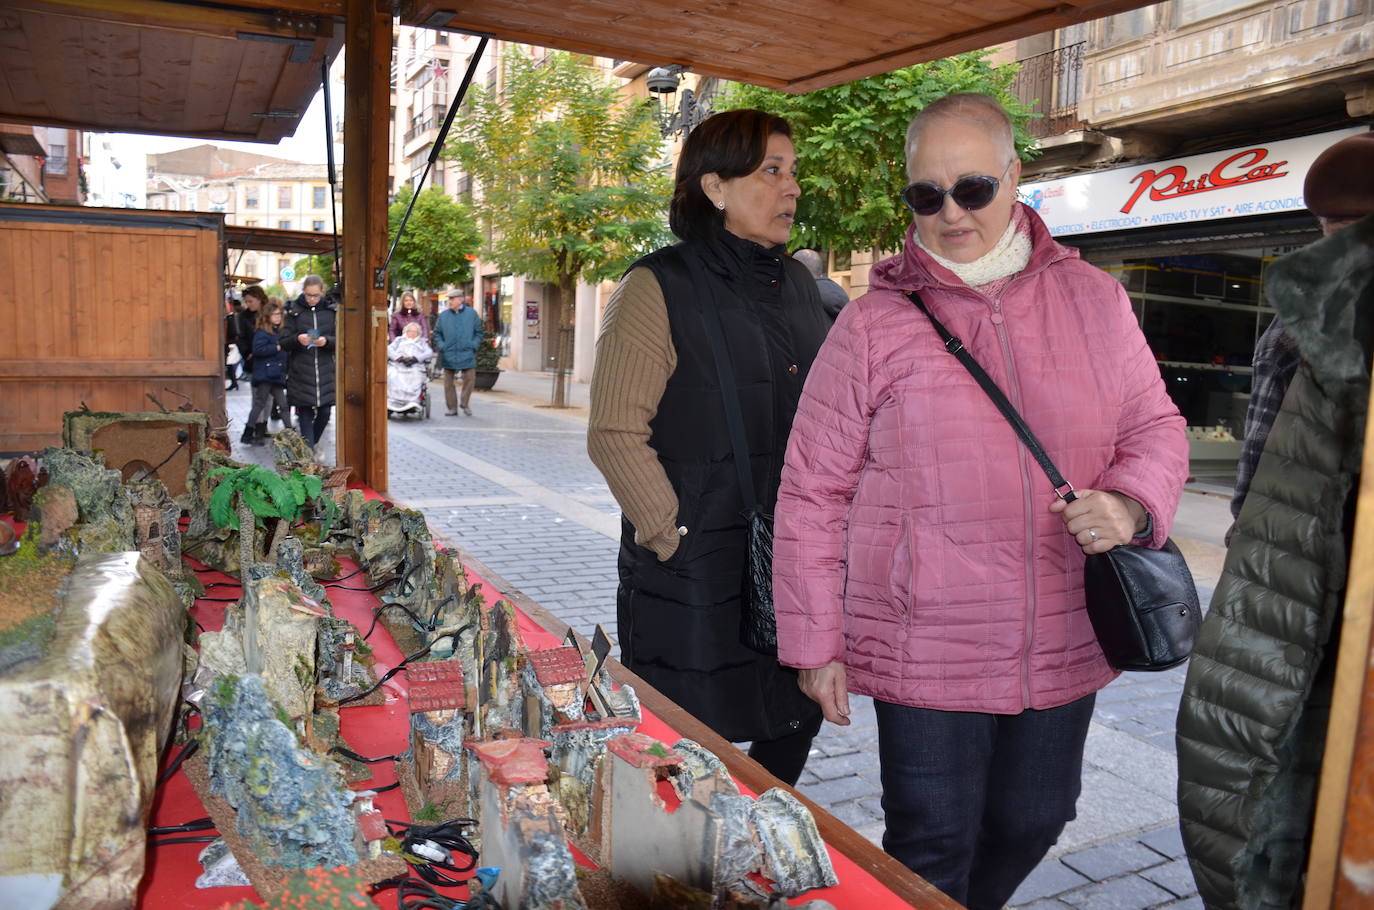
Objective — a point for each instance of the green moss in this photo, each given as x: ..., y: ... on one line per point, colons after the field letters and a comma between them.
x: 428, y: 813
x: 224, y: 690
x: 305, y: 674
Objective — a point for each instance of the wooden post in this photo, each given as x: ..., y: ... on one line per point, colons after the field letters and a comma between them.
x: 361, y: 427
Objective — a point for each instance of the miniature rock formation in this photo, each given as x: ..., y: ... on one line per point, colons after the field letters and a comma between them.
x: 84, y: 725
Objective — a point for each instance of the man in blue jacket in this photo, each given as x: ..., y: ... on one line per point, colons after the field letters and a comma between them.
x: 457, y: 333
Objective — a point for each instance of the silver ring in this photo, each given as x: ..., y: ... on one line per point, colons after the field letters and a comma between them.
x: 1092, y: 532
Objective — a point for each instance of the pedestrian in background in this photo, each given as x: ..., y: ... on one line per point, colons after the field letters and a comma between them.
x: 922, y: 556
x: 833, y: 297
x: 457, y: 335
x: 269, y: 376
x: 254, y: 297
x: 1339, y: 190
x: 308, y: 337
x: 1258, y: 697
x: 232, y: 355
x: 658, y: 430
x: 407, y: 313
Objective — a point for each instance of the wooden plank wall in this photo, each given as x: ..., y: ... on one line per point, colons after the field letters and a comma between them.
x: 104, y: 315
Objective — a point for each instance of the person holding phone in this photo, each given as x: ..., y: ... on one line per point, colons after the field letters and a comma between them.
x: 308, y: 336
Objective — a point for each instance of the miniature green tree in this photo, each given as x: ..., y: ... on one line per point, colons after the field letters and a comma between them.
x: 247, y: 497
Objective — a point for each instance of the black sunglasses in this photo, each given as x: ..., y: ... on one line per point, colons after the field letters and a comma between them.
x: 969, y: 193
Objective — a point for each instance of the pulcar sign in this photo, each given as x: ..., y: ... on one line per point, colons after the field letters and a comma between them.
x: 1237, y: 182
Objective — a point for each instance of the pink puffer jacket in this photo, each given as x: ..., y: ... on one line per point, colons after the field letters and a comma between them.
x: 914, y: 540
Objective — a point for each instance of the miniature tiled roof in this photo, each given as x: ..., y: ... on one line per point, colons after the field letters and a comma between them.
x: 373, y: 826
x: 601, y: 723
x: 512, y: 761
x: 436, y: 686
x: 643, y: 751
x: 556, y: 666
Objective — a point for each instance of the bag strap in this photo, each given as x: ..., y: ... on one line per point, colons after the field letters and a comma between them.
x: 1062, y: 487
x: 725, y: 370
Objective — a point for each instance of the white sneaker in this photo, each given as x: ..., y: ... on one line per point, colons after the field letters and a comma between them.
x: 467, y: 411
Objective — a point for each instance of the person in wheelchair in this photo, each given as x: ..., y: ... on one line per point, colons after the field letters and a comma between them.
x: 406, y: 373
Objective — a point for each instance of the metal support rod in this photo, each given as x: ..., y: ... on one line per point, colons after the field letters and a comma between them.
x: 333, y: 178
x: 379, y: 277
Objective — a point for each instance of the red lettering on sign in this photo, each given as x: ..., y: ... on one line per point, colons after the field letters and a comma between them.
x: 1173, y: 182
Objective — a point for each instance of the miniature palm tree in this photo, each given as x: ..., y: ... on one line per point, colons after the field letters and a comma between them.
x: 247, y: 497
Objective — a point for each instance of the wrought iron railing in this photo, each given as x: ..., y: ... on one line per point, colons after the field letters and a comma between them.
x: 430, y: 122
x: 1050, y: 84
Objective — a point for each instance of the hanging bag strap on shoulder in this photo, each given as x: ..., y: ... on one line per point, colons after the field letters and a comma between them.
x: 1062, y: 487
x: 725, y: 369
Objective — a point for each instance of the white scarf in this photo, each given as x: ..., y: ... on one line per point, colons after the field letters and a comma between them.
x: 1007, y: 257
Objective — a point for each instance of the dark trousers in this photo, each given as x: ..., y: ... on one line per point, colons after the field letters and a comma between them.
x: 262, y: 393
x: 973, y: 802
x: 785, y: 756
x: 310, y: 422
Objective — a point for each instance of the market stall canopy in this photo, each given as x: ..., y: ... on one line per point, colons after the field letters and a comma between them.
x: 276, y: 240
x: 243, y: 71
x: 795, y: 45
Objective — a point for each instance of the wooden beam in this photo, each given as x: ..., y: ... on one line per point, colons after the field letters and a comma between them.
x: 1343, y: 827
x: 361, y: 405
x: 199, y: 19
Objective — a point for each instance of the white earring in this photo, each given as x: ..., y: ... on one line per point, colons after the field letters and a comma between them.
x: 720, y: 206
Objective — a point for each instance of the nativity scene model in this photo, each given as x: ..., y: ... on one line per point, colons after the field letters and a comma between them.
x: 525, y: 762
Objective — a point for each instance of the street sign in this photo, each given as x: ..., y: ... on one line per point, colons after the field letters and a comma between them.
x: 288, y: 274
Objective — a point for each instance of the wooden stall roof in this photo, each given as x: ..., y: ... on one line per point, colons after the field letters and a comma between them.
x: 275, y: 240
x: 795, y: 45
x: 240, y: 71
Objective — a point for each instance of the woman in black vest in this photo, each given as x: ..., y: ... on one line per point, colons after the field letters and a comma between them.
x: 658, y: 430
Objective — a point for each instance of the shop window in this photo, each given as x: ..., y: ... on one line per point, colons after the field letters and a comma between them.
x: 1187, y: 12
x: 284, y: 197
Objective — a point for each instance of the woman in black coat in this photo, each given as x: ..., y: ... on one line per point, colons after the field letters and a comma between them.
x: 308, y: 337
x: 658, y: 430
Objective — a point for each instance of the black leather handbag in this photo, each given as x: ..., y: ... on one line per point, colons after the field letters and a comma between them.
x: 1142, y: 602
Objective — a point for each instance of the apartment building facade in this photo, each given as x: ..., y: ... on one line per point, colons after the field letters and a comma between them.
x: 41, y: 164
x: 251, y: 190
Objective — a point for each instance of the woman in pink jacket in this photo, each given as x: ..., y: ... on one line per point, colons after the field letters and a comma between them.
x: 921, y: 556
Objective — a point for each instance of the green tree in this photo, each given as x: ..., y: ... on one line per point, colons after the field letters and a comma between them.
x: 850, y: 143
x: 439, y: 238
x: 321, y: 264
x: 571, y: 180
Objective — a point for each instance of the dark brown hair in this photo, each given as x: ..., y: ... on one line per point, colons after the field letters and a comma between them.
x: 256, y: 291
x: 731, y: 144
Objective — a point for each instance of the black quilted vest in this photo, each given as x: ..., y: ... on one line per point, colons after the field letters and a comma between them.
x: 679, y: 619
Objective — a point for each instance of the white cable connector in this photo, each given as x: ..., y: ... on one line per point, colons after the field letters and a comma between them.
x: 428, y: 849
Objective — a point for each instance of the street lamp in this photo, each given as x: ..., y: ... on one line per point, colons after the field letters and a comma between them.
x: 693, y: 107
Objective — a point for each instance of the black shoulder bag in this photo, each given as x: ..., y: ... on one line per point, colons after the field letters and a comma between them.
x: 758, y: 623
x: 1142, y: 602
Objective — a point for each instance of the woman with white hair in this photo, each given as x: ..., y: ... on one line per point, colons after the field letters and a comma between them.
x: 922, y: 557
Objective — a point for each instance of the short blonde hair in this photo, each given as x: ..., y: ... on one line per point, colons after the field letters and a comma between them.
x: 973, y: 107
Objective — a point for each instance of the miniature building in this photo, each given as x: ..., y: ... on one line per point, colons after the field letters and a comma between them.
x: 555, y: 682
x: 439, y: 723
x: 522, y: 831
x: 577, y: 751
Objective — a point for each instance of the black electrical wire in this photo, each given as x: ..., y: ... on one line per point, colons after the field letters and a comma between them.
x: 221, y: 600
x: 450, y: 836
x: 186, y: 753
x: 182, y: 438
x: 415, y: 894
x: 349, y: 753
x: 206, y: 839
x: 195, y: 824
x: 394, y: 670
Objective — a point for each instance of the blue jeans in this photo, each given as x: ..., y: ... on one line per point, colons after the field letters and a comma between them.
x: 310, y: 422
x: 973, y: 802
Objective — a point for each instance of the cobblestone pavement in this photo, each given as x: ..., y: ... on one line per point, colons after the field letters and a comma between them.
x: 513, y: 485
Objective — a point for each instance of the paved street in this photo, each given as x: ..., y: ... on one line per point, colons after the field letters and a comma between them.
x: 513, y: 485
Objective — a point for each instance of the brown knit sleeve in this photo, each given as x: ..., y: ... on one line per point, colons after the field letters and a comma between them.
x: 634, y: 358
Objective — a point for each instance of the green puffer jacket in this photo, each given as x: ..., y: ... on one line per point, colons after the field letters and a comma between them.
x: 1252, y: 723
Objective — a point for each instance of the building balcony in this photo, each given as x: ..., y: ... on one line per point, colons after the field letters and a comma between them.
x: 1300, y: 65
x: 432, y: 120
x: 1050, y: 84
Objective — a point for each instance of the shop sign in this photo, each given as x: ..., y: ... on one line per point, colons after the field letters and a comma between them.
x: 1257, y: 179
